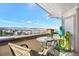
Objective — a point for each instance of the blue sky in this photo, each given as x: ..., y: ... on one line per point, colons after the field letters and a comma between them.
x: 26, y: 15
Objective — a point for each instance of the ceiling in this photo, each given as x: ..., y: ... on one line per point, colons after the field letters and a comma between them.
x: 57, y: 9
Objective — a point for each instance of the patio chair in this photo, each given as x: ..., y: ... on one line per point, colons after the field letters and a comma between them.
x: 22, y: 50
x: 19, y: 50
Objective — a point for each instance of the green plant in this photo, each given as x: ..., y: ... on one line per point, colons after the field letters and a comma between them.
x: 68, y: 37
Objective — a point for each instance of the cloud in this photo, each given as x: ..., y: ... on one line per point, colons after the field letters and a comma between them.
x: 36, y: 23
x: 31, y: 5
x: 46, y: 16
x: 9, y: 23
x: 49, y: 17
x: 29, y: 22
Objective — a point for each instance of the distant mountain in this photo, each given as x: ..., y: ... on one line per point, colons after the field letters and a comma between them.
x: 20, y: 28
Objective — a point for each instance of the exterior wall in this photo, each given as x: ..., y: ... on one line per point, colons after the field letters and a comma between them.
x: 71, y: 25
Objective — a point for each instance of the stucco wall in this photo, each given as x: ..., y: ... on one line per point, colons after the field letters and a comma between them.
x: 71, y: 23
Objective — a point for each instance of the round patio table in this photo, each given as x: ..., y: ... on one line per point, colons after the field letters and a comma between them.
x: 44, y: 40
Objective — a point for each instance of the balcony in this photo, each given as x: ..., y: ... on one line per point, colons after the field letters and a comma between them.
x: 68, y: 13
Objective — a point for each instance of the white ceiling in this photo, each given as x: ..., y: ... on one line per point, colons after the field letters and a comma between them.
x: 57, y: 9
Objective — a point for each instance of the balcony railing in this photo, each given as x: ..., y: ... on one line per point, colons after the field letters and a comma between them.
x: 5, y: 38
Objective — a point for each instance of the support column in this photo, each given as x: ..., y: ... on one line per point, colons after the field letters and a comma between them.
x: 62, y: 22
x: 77, y: 31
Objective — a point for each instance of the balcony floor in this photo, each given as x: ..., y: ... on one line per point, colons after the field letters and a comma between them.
x: 31, y: 42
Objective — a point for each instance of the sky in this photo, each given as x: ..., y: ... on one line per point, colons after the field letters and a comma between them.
x: 27, y: 15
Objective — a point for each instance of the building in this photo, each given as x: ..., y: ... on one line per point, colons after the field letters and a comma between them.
x: 50, y: 31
